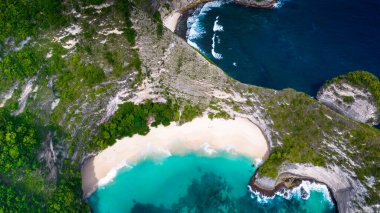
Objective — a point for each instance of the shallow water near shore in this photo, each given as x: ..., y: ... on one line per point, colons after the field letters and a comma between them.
x: 202, y: 183
x: 300, y: 44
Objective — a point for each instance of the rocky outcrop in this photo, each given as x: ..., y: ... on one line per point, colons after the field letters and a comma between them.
x: 171, y: 11
x: 343, y: 189
x: 256, y: 3
x: 184, y: 5
x: 351, y: 101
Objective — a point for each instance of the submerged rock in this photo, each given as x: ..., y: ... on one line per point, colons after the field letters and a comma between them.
x: 304, y: 194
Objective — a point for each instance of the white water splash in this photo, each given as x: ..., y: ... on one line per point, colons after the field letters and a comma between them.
x: 215, y: 54
x: 296, y: 192
x: 196, y: 30
x: 217, y: 27
x: 279, y: 4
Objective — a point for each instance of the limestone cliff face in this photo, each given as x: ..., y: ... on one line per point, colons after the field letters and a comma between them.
x: 354, y: 102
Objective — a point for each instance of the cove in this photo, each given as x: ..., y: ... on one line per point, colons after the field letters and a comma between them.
x: 196, y: 183
x: 300, y: 44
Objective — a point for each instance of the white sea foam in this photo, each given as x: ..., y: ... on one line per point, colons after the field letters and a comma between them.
x: 217, y: 27
x: 295, y: 192
x: 195, y: 28
x: 207, y: 149
x: 111, y: 175
x: 215, y: 54
x: 279, y: 4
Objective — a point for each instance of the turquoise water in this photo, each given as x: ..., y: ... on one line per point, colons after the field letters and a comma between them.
x: 300, y: 44
x: 194, y: 183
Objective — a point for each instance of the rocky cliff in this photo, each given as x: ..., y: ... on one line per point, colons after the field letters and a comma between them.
x: 354, y: 101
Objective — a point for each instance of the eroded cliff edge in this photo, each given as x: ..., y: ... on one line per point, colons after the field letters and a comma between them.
x: 355, y: 95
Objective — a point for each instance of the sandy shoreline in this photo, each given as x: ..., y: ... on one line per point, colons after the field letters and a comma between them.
x: 202, y: 136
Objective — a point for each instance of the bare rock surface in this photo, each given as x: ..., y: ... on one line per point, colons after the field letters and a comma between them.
x: 353, y: 102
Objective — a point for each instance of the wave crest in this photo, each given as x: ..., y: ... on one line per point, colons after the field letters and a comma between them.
x: 300, y: 192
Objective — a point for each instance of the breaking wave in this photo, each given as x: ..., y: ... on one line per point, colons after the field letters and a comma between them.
x: 215, y: 54
x: 300, y: 192
x: 194, y: 26
x: 217, y: 27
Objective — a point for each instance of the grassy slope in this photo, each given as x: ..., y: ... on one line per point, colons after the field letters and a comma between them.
x: 306, y: 126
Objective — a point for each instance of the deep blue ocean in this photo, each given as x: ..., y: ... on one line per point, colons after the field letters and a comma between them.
x: 299, y: 44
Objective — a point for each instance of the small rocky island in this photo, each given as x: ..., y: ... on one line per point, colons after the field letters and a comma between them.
x: 355, y: 95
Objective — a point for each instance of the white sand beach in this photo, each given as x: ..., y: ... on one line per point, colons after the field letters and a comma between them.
x: 202, y: 136
x: 170, y: 21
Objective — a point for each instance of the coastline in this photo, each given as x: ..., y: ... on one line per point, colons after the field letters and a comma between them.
x: 201, y: 136
x: 288, y: 181
x: 171, y: 20
x: 180, y: 30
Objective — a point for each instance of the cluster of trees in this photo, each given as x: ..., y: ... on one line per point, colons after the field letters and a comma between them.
x: 19, y: 142
x: 12, y: 199
x: 67, y: 196
x: 132, y: 119
x: 19, y: 65
x: 190, y: 112
x: 22, y: 18
x: 23, y: 185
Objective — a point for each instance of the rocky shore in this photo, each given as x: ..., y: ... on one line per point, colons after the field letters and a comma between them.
x: 181, y: 8
x: 284, y: 183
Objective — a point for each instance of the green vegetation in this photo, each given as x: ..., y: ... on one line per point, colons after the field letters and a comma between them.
x: 301, y: 144
x: 303, y: 128
x: 92, y: 2
x: 19, y: 142
x: 133, y: 119
x: 20, y: 18
x: 67, y: 196
x: 136, y: 63
x: 76, y: 75
x: 236, y: 108
x: 125, y: 8
x: 190, y: 112
x: 220, y: 113
x: 363, y: 138
x: 22, y: 177
x: 19, y: 65
x: 160, y: 27
x: 362, y: 79
x: 348, y: 99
